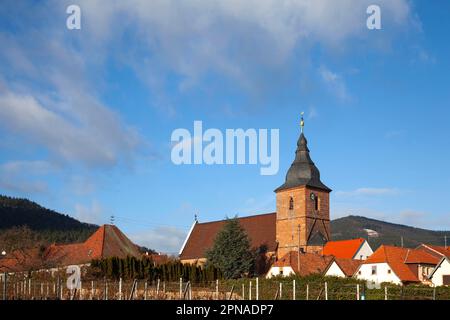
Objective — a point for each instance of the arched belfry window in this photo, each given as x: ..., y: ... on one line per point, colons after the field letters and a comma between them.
x: 291, y: 203
x: 315, y: 199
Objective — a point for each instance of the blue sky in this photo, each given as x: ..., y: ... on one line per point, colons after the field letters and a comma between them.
x: 86, y: 115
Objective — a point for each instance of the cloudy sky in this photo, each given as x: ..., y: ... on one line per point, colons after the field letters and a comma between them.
x: 86, y: 115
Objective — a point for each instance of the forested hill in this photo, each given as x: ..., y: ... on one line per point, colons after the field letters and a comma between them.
x: 26, y: 222
x: 381, y: 232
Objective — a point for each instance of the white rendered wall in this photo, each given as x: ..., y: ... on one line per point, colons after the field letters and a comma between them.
x: 382, y: 274
x: 275, y: 271
x: 443, y: 269
x: 364, y: 252
x: 335, y: 271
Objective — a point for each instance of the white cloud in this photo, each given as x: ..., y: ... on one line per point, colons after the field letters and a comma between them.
x: 82, y: 185
x: 37, y: 167
x: 161, y: 239
x: 368, y: 192
x: 23, y: 186
x: 25, y: 177
x: 334, y: 82
x: 312, y: 113
x: 90, y: 214
x: 49, y: 98
x: 95, y: 138
x: 239, y: 40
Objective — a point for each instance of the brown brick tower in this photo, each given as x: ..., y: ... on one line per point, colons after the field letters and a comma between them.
x: 303, y: 211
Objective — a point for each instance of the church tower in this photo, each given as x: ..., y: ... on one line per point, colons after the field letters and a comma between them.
x: 303, y: 206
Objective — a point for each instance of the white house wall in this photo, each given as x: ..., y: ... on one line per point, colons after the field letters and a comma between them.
x: 364, y: 252
x: 382, y: 274
x: 443, y: 269
x: 275, y: 271
x: 335, y: 271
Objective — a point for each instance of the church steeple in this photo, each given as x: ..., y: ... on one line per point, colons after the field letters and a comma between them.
x: 303, y: 205
x: 303, y: 171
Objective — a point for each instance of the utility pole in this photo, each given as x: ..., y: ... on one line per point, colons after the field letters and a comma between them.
x: 445, y: 241
x: 298, y: 251
x: 402, y: 241
x: 5, y: 286
x: 5, y: 278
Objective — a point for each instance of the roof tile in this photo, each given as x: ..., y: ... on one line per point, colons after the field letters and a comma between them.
x: 260, y: 229
x: 346, y: 249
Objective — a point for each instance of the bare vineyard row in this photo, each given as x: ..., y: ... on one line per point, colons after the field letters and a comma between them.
x: 253, y: 289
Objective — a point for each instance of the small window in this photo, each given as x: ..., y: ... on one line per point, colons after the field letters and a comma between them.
x: 291, y: 203
x: 316, y: 203
x: 374, y: 270
x: 359, y: 272
x: 389, y: 271
x: 281, y: 272
x: 361, y: 257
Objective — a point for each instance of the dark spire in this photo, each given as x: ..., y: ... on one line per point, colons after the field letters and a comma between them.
x: 303, y: 172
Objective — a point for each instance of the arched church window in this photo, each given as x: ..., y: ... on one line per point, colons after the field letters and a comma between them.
x: 316, y: 203
x: 291, y: 203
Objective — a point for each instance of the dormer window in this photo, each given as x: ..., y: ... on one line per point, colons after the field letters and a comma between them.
x: 291, y: 203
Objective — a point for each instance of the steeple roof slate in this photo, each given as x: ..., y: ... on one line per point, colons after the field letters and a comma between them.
x: 303, y: 171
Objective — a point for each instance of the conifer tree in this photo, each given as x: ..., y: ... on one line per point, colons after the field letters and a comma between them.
x: 231, y: 252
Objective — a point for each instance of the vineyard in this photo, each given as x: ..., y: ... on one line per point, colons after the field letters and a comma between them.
x: 306, y: 288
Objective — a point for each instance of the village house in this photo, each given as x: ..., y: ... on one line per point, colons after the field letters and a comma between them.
x: 357, y: 249
x: 438, y: 251
x: 299, y: 263
x: 398, y: 265
x: 336, y: 259
x: 108, y: 241
x: 441, y: 274
x: 342, y: 267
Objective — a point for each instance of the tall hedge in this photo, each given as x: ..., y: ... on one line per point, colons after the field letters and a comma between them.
x: 132, y: 268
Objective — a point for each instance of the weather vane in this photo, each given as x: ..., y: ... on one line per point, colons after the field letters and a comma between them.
x: 302, y: 122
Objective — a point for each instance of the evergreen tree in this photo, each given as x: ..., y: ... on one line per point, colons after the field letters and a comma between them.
x: 231, y: 252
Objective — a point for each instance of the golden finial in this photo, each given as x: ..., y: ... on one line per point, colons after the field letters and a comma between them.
x: 302, y: 122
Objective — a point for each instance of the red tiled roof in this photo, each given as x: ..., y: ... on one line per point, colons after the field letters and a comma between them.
x: 397, y: 258
x: 107, y: 241
x: 260, y: 229
x: 420, y: 256
x: 348, y: 266
x: 158, y: 259
x: 343, y: 249
x: 20, y: 260
x: 438, y: 250
x: 310, y: 263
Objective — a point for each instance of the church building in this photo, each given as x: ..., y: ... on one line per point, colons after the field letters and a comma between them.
x: 301, y: 222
